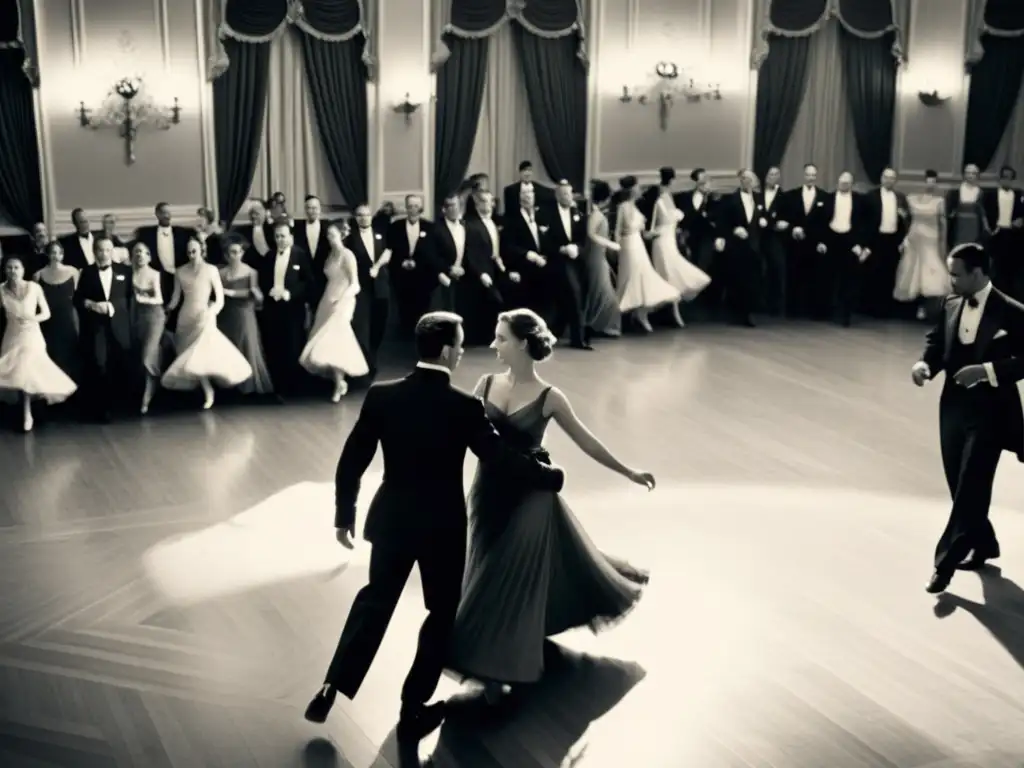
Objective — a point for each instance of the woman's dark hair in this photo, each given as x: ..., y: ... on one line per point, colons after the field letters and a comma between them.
x: 53, y: 245
x: 667, y: 174
x: 526, y: 325
x: 930, y: 174
x: 435, y: 331
x: 233, y: 238
x: 600, y: 191
x: 627, y: 182
x: 207, y: 214
x: 696, y: 173
x: 974, y: 256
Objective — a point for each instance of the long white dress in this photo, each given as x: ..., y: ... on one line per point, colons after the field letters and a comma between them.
x: 922, y: 269
x: 332, y: 344
x: 203, y: 352
x: 639, y: 285
x: 24, y: 364
x: 669, y: 262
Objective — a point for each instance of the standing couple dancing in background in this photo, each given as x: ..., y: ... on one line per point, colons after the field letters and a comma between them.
x: 531, y: 570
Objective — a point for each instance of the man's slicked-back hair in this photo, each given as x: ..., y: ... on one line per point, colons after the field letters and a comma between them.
x: 434, y: 332
x: 974, y: 256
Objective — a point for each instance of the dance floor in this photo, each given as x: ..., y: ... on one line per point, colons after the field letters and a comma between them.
x: 172, y: 590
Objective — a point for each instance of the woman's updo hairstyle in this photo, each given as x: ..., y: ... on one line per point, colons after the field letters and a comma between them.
x: 600, y: 191
x: 627, y: 182
x: 526, y: 325
x: 667, y: 174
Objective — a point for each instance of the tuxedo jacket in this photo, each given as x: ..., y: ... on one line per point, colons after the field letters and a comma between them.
x: 999, y: 343
x: 378, y: 288
x: 774, y: 211
x: 74, y: 251
x: 873, y: 214
x: 990, y: 201
x: 180, y: 235
x: 299, y: 279
x: 421, y: 252
x: 731, y: 214
x: 318, y: 251
x: 812, y: 221
x: 517, y: 240
x: 424, y: 427
x: 445, y: 252
x: 858, y: 219
x: 698, y: 220
x: 480, y: 248
x: 556, y: 237
x: 90, y: 288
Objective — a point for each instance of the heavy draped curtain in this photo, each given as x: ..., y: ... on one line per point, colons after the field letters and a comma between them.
x: 21, y: 197
x: 548, y: 40
x: 338, y: 62
x: 995, y: 59
x: 867, y: 44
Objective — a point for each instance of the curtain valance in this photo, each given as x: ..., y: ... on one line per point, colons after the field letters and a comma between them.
x: 482, y: 18
x: 260, y: 21
x: 866, y: 19
x: 998, y: 18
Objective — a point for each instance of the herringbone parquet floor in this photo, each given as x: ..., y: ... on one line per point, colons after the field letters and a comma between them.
x: 171, y: 590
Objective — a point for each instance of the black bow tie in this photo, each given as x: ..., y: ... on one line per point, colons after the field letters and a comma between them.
x: 85, y: 236
x: 972, y: 301
x: 103, y: 269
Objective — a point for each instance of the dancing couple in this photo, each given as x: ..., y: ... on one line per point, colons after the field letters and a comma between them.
x: 531, y: 570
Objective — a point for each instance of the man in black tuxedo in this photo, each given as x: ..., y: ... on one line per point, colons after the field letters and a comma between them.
x: 413, y: 267
x: 564, y: 248
x: 804, y: 209
x: 286, y: 280
x: 886, y: 224
x: 424, y: 426
x: 522, y: 248
x: 480, y: 298
x: 103, y: 299
x: 1004, y: 209
x: 258, y: 234
x: 513, y: 193
x: 979, y: 343
x: 840, y: 251
x: 168, y: 245
x: 739, y: 227
x: 79, y: 247
x: 310, y: 235
x: 372, y: 256
x: 770, y: 206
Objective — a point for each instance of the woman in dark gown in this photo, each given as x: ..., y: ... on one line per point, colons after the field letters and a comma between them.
x: 237, y: 320
x: 531, y: 572
x: 58, y: 282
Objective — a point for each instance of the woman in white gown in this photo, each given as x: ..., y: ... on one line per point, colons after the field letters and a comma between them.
x: 669, y: 262
x: 205, y: 356
x: 641, y: 288
x: 333, y: 349
x: 922, y: 274
x: 26, y: 371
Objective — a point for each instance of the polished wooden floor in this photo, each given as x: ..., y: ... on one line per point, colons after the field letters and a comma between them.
x: 171, y: 589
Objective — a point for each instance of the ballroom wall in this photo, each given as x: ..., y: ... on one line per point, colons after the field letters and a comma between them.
x: 712, y: 39
x: 84, y: 47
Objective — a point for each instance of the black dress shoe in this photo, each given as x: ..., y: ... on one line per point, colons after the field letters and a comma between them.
x: 320, y: 707
x: 938, y: 583
x: 414, y: 725
x: 975, y: 562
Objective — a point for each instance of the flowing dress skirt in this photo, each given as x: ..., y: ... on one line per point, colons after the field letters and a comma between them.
x: 640, y: 286
x: 677, y: 271
x: 25, y: 366
x: 332, y: 344
x: 237, y: 321
x: 204, y: 353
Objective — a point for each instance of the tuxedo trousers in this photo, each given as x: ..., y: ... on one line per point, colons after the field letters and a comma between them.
x: 880, y: 274
x: 839, y: 271
x: 566, y: 294
x: 970, y: 433
x: 1007, y: 249
x: 441, y: 562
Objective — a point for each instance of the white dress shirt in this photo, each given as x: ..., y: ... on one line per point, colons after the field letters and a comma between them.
x: 890, y: 215
x: 809, y: 193
x: 86, y: 241
x: 412, y: 234
x: 843, y: 213
x: 565, y: 214
x: 106, y: 277
x: 165, y: 248
x: 281, y: 267
x: 313, y: 235
x: 432, y: 367
x: 531, y: 221
x: 1005, y: 198
x: 769, y: 197
x: 970, y: 319
x: 697, y: 199
x: 747, y: 198
x: 492, y: 230
x: 458, y: 233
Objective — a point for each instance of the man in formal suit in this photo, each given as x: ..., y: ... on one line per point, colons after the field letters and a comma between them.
x: 1004, y: 208
x: 413, y: 268
x: 258, y: 234
x: 564, y: 248
x: 79, y: 250
x: 512, y: 194
x: 979, y: 343
x: 424, y: 426
x: 771, y: 207
x: 840, y: 252
x: 168, y: 244
x: 449, y: 243
x: 479, y: 299
x: 739, y: 227
x: 522, y: 248
x: 286, y: 280
x: 886, y: 224
x: 804, y: 209
x: 311, y: 236
x: 698, y: 227
x: 103, y: 299
x: 372, y: 256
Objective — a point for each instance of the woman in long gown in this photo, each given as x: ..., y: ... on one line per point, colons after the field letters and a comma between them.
x: 968, y: 221
x: 238, y: 321
x: 531, y: 571
x: 148, y: 321
x: 669, y: 262
x: 600, y: 302
x: 641, y: 289
x: 333, y: 349
x: 922, y: 273
x: 59, y: 282
x: 204, y: 355
x: 26, y: 371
